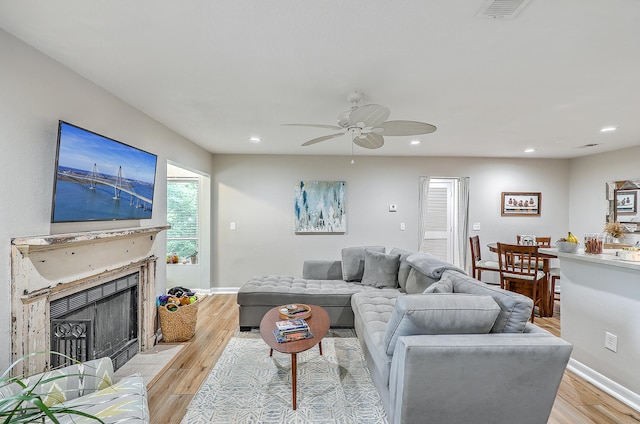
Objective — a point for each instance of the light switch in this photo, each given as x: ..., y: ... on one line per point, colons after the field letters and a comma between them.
x: 402, y: 226
x: 232, y: 226
x: 476, y: 226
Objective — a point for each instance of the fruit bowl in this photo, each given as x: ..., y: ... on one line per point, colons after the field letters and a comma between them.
x: 567, y: 246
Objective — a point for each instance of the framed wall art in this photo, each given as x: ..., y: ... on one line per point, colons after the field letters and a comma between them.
x: 521, y: 204
x: 626, y: 202
x: 319, y: 207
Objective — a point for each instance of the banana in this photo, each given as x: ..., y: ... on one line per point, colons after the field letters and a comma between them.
x: 571, y: 238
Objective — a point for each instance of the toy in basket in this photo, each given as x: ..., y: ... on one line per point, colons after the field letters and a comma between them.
x: 178, y: 317
x: 294, y: 311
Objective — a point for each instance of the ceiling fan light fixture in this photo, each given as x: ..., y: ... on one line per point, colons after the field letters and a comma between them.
x: 367, y: 125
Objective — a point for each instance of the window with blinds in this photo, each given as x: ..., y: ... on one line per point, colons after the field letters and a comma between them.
x: 182, y: 216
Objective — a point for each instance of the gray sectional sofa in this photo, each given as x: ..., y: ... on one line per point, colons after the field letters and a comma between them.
x: 441, y: 346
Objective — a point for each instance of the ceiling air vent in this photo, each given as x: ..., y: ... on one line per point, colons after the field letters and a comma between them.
x: 501, y: 9
x: 585, y: 146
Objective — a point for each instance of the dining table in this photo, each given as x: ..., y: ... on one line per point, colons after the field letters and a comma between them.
x: 547, y: 297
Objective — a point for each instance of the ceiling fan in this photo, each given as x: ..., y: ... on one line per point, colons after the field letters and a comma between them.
x: 367, y: 125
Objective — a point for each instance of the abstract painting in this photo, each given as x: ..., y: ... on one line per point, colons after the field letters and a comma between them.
x: 319, y: 207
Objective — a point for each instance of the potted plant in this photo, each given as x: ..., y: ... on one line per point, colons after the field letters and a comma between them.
x: 615, y: 230
x: 193, y: 255
x: 24, y: 403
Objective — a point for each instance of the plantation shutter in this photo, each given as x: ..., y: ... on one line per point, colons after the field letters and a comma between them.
x: 438, y: 226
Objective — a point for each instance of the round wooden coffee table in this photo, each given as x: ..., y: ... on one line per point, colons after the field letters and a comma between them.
x: 318, y: 324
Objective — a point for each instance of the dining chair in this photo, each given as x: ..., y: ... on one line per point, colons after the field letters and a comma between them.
x: 519, y: 272
x: 477, y: 263
x: 554, y: 273
x: 541, y: 241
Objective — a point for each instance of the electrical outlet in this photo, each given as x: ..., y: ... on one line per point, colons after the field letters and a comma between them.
x: 476, y: 226
x: 402, y: 226
x: 232, y: 226
x: 611, y: 341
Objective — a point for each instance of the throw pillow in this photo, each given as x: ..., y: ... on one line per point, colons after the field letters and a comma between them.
x: 403, y: 271
x: 417, y: 282
x: 430, y: 265
x: 380, y: 270
x: 353, y: 261
x: 445, y: 285
x: 439, y: 314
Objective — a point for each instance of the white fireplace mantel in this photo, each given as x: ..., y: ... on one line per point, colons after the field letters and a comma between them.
x: 56, y: 241
x: 48, y: 267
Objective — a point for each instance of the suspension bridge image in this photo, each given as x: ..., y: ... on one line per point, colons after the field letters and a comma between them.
x: 93, y: 179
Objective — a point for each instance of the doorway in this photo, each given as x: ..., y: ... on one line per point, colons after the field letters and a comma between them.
x: 189, y: 238
x: 443, y: 218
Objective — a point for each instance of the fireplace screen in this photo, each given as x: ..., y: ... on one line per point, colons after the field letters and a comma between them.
x: 95, y: 323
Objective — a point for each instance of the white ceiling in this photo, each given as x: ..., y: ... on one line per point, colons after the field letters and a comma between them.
x: 221, y: 71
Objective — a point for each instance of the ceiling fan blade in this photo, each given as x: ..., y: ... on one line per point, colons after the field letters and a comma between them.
x: 331, y: 127
x: 406, y: 128
x: 370, y: 115
x: 323, y: 138
x: 370, y: 141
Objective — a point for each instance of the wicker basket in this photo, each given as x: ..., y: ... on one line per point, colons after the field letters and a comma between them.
x: 178, y: 325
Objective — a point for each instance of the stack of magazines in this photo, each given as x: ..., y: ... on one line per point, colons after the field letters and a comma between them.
x: 292, y: 330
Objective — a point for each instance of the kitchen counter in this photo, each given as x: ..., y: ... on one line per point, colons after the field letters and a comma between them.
x: 608, y: 257
x: 600, y: 316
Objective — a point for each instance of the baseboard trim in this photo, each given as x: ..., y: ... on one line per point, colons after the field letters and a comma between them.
x: 219, y: 290
x: 619, y: 392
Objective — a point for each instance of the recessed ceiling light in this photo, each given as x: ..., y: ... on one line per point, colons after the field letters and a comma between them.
x: 608, y: 129
x: 255, y: 140
x: 529, y: 150
x: 415, y: 142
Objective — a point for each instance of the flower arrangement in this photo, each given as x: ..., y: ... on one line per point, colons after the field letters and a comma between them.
x: 614, y: 229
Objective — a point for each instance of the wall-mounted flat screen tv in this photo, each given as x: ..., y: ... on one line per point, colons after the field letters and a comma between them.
x: 100, y: 179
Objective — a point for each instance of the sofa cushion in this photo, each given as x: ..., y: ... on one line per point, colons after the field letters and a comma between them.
x: 417, y: 282
x: 515, y: 308
x: 275, y: 290
x: 439, y: 313
x: 445, y: 285
x: 372, y: 310
x: 430, y: 265
x: 124, y: 401
x: 353, y: 261
x: 403, y: 270
x: 380, y: 269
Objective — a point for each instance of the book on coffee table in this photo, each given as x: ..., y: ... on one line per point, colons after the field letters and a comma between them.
x: 292, y: 336
x: 292, y: 324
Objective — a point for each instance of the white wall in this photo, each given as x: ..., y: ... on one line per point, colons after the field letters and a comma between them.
x: 256, y: 192
x: 36, y: 93
x: 588, y: 177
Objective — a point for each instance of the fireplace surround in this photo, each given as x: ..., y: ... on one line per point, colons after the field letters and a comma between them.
x: 47, y: 268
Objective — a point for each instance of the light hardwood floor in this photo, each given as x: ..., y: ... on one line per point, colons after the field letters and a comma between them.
x: 171, y: 391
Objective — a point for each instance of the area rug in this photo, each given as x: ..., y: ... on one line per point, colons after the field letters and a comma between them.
x: 248, y: 386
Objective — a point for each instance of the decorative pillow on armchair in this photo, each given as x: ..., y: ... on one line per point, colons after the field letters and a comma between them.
x: 439, y: 313
x: 380, y: 270
x: 353, y: 261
